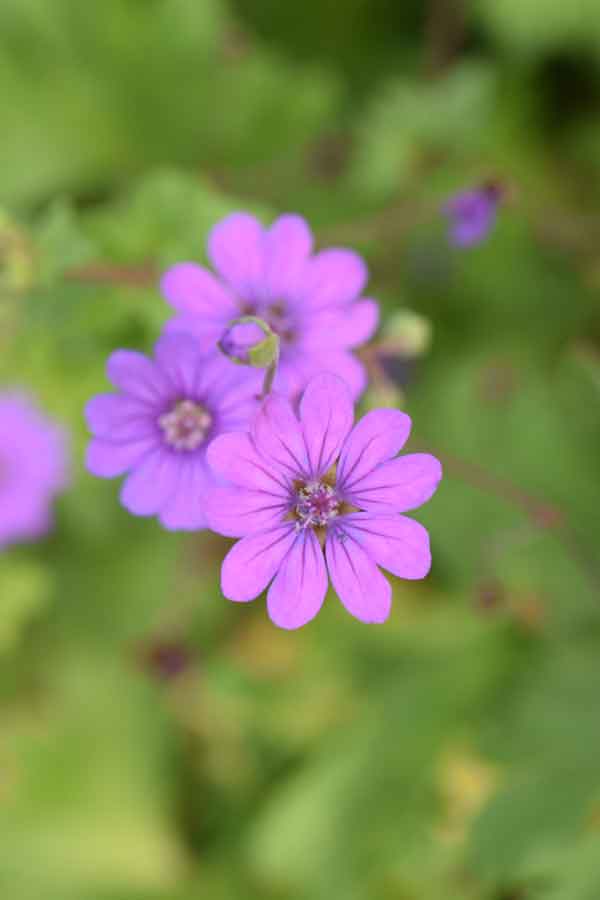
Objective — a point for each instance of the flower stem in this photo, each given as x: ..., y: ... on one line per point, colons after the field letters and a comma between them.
x: 270, y: 376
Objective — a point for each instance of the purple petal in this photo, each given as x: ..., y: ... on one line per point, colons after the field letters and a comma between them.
x: 33, y: 449
x: 466, y: 234
x: 206, y: 332
x: 106, y: 459
x: 399, y: 485
x: 33, y: 468
x: 333, y: 277
x: 359, y: 584
x: 235, y: 248
x: 278, y: 436
x: 349, y: 369
x: 341, y: 363
x: 379, y: 436
x: 298, y: 590
x: 237, y: 405
x: 152, y: 484
x: 342, y: 327
x: 294, y: 371
x: 287, y: 246
x: 190, y: 288
x: 296, y: 368
x: 236, y: 512
x: 395, y: 542
x: 120, y: 417
x: 227, y: 387
x: 326, y: 414
x: 179, y: 358
x: 252, y: 562
x: 185, y: 509
x: 472, y: 214
x: 135, y: 374
x: 24, y: 518
x: 234, y: 458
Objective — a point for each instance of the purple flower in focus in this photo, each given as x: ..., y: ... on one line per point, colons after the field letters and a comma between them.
x: 297, y: 484
x: 311, y: 301
x: 33, y: 469
x: 158, y: 426
x: 472, y: 214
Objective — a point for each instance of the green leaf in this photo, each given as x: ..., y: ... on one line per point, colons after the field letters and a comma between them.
x: 25, y: 587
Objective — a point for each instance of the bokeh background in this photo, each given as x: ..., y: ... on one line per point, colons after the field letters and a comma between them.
x: 160, y: 743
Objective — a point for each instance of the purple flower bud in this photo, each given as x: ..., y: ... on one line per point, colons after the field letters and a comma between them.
x: 250, y: 341
x: 472, y: 214
x: 167, y: 660
x: 239, y: 338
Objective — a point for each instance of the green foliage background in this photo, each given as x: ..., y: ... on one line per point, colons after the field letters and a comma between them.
x: 451, y: 754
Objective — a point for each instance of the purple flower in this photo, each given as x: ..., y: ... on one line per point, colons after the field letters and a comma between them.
x: 312, y: 302
x: 33, y: 469
x: 160, y: 423
x: 296, y: 484
x: 472, y: 214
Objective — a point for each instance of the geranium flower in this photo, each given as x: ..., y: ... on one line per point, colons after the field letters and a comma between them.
x: 33, y: 469
x: 157, y: 428
x: 312, y: 302
x: 472, y: 214
x: 298, y: 485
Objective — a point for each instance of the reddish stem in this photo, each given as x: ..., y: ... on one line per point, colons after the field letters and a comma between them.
x: 100, y: 273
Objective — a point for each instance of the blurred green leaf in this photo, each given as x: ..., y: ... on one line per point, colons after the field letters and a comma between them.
x: 85, y: 804
x: 537, y: 26
x: 91, y: 94
x: 24, y: 591
x: 409, y: 120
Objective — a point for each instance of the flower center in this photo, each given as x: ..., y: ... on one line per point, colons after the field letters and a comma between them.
x: 277, y: 318
x: 186, y: 425
x: 316, y: 504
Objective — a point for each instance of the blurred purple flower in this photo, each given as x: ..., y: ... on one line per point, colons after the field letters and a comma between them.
x: 472, y: 214
x: 158, y: 427
x: 33, y: 469
x: 298, y: 483
x: 312, y: 302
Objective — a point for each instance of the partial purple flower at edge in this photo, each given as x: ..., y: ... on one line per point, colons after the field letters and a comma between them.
x: 298, y: 483
x: 472, y: 214
x: 312, y: 302
x: 158, y: 427
x: 33, y: 469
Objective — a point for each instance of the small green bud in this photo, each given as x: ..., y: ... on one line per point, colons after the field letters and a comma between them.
x: 383, y: 394
x: 407, y: 334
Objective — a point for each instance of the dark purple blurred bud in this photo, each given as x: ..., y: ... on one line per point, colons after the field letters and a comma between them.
x: 472, y: 214
x: 489, y: 595
x: 167, y: 659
